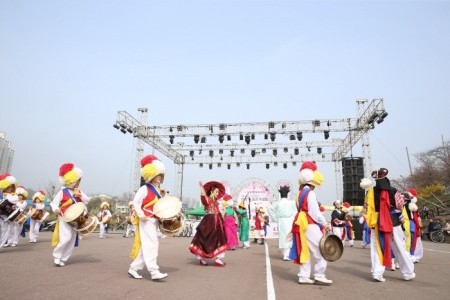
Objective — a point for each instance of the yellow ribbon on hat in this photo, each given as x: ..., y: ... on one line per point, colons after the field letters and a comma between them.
x: 137, y: 237
x: 55, y: 236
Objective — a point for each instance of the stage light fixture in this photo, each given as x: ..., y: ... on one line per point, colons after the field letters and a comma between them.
x: 253, y: 136
x: 275, y: 164
x: 294, y: 163
x: 219, y: 165
x: 221, y: 137
x: 171, y: 137
x: 116, y: 126
x: 253, y: 153
x: 309, y: 148
x: 263, y: 150
x: 292, y: 137
x: 170, y: 129
x: 381, y: 118
x: 326, y: 134
x: 275, y: 152
x: 296, y: 151
x: 285, y: 149
x: 316, y: 123
x: 285, y: 165
x: 241, y: 136
x: 319, y: 150
x: 123, y: 130
x: 266, y: 136
x: 372, y: 118
x: 130, y: 130
x: 203, y: 140
x: 273, y: 136
x: 247, y: 139
x: 201, y: 165
x: 211, y: 153
x: 229, y: 137
x: 210, y: 166
x: 228, y: 166
x: 242, y: 151
x: 220, y: 151
x: 299, y: 135
x: 231, y: 153
x: 180, y: 127
x: 248, y: 166
x: 196, y: 138
x: 238, y: 164
x: 191, y: 153
x: 271, y: 125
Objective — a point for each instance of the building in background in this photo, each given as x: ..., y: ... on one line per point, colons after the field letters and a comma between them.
x: 6, y: 154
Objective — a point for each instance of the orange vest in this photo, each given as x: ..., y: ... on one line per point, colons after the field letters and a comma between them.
x: 148, y: 203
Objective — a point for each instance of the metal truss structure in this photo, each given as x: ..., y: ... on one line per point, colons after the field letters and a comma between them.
x: 270, y: 143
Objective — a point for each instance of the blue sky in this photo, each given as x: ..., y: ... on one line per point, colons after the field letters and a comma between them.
x: 67, y: 67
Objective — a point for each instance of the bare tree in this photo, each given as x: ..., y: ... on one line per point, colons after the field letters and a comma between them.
x: 434, y: 167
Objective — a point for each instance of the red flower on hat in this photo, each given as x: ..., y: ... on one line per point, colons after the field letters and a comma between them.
x: 148, y: 160
x: 4, y: 175
x: 65, y: 168
x: 346, y: 204
x: 413, y: 192
x: 227, y: 197
x: 308, y: 165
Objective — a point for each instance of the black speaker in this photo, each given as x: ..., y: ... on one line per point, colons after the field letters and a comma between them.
x: 352, y: 173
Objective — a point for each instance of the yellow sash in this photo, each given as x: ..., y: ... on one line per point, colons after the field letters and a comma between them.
x: 137, y: 237
x: 372, y: 215
x: 406, y: 226
x: 302, y: 222
x: 55, y: 236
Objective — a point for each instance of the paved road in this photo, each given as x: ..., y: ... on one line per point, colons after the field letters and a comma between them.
x: 98, y: 270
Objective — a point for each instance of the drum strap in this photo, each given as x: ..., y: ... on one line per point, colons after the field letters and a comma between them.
x: 66, y: 191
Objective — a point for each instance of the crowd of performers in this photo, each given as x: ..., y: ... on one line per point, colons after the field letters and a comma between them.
x: 390, y: 220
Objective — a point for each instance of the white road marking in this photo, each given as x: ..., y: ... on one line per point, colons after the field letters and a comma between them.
x: 432, y: 250
x: 269, y: 279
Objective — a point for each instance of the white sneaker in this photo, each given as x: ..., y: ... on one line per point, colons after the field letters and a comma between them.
x: 158, y: 275
x: 286, y: 258
x: 322, y: 280
x: 409, y: 277
x: 379, y: 278
x: 134, y: 274
x: 13, y: 245
x: 305, y: 280
x: 58, y: 262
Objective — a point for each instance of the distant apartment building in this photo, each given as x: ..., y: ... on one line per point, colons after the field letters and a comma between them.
x: 6, y: 154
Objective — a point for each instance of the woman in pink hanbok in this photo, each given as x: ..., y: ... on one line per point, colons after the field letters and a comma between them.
x: 230, y: 223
